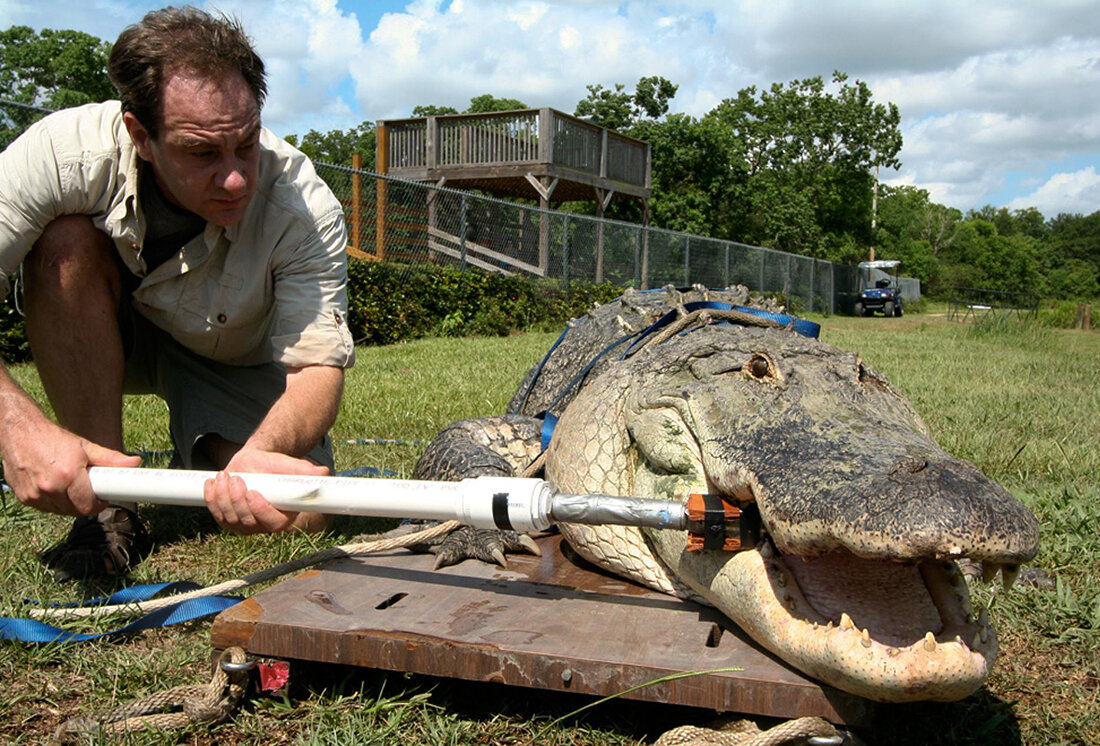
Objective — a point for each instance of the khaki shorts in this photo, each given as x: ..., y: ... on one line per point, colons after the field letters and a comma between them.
x: 204, y: 397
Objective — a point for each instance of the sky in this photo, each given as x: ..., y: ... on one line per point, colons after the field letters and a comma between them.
x: 999, y: 99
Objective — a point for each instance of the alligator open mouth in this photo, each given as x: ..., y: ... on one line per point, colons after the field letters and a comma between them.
x: 889, y: 631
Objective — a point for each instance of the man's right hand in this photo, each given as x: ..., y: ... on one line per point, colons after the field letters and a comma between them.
x: 46, y: 467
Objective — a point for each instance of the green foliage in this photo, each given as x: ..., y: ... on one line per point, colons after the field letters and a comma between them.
x: 338, y: 146
x: 391, y: 302
x: 482, y: 104
x: 808, y: 150
x: 13, y: 336
x: 50, y: 69
x: 618, y: 110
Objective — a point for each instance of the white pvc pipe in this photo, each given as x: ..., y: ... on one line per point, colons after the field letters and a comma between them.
x: 517, y: 503
x: 482, y: 502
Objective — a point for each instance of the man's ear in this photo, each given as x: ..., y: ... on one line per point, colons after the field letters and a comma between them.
x: 139, y: 135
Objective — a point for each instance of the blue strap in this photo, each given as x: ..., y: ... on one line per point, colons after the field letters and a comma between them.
x: 549, y: 422
x: 32, y: 630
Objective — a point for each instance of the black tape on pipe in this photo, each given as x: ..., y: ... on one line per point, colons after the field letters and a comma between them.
x: 500, y: 511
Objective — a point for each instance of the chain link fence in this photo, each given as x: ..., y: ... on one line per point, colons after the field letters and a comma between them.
x: 395, y: 220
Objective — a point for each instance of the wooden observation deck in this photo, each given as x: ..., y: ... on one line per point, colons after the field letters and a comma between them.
x: 524, y: 153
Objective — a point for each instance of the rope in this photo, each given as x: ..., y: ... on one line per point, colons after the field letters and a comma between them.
x: 325, y: 555
x: 702, y: 317
x: 807, y: 730
x: 169, y: 710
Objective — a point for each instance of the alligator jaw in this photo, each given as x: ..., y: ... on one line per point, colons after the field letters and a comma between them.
x: 887, y: 631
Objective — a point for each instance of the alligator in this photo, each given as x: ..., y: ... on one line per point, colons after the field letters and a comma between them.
x: 863, y: 517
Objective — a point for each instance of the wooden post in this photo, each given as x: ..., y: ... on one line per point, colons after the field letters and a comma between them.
x: 356, y: 200
x: 382, y: 163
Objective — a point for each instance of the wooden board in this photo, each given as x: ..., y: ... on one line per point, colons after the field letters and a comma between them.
x: 551, y: 623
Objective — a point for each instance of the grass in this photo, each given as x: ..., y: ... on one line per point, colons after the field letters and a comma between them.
x: 1020, y: 401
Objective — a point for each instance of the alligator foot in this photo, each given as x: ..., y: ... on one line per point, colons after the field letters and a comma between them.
x: 488, y: 545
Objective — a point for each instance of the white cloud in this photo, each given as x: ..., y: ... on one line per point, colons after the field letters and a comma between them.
x: 1076, y: 192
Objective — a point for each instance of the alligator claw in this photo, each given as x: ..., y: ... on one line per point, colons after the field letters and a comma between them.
x: 487, y: 545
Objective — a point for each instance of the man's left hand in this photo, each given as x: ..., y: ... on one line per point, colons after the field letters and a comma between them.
x: 243, y: 511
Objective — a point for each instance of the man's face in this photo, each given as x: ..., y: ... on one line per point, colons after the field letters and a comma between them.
x: 206, y: 157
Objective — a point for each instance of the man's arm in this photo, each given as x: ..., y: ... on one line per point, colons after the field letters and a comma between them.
x: 45, y: 465
x: 293, y: 426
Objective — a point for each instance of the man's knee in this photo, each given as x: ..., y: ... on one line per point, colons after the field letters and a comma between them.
x: 71, y: 255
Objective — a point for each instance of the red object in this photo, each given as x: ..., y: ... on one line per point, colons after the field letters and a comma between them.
x: 274, y: 675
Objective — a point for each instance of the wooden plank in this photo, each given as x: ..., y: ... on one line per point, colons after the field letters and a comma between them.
x: 456, y: 254
x: 549, y: 623
x: 476, y: 247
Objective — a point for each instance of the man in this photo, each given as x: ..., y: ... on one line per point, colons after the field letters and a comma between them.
x: 169, y: 244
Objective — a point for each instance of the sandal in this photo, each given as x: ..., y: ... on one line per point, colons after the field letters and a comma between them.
x: 109, y: 543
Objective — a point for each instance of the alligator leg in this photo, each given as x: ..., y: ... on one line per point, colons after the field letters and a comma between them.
x: 490, y: 446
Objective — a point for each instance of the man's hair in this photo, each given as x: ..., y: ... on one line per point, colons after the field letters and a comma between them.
x: 172, y: 40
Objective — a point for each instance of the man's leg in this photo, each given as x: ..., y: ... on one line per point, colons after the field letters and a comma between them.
x: 72, y: 290
x: 71, y: 295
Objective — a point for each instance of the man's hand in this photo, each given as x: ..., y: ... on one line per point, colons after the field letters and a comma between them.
x: 241, y: 510
x: 46, y: 467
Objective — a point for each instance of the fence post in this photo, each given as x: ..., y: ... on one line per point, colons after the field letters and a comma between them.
x: 813, y: 280
x: 832, y: 288
x: 565, y: 253
x: 762, y: 256
x: 356, y: 199
x: 382, y: 163
x: 462, y: 235
x: 687, y: 261
x: 645, y: 258
x: 638, y: 258
x: 726, y: 270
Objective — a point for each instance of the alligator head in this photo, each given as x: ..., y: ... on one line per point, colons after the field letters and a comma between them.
x: 855, y: 581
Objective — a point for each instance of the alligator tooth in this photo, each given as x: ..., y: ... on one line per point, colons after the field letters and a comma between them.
x: 984, y: 634
x: 929, y: 642
x: 976, y: 642
x: 846, y: 621
x: 1009, y: 573
x: 989, y: 571
x: 865, y: 638
x: 791, y: 604
x: 766, y: 549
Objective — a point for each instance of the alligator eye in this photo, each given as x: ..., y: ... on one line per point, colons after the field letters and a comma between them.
x: 759, y: 367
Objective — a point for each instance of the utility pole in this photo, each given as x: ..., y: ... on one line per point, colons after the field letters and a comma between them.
x: 874, y: 212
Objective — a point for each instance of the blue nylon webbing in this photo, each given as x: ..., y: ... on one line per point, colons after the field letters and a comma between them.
x: 32, y: 630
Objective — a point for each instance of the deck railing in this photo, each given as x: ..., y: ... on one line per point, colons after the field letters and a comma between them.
x: 524, y: 136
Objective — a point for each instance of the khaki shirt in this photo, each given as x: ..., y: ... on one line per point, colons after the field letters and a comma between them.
x: 269, y: 288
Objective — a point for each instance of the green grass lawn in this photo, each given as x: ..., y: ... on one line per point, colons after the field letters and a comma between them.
x: 1021, y: 402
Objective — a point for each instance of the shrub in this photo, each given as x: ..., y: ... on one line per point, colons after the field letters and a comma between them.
x: 391, y: 301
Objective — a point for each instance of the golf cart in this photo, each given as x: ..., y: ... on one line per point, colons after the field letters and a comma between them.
x: 882, y: 294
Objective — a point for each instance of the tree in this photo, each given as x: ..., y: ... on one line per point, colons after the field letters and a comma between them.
x: 338, y: 146
x: 433, y: 111
x: 809, y: 154
x: 486, y: 103
x: 618, y: 110
x: 48, y: 69
x: 697, y: 181
x: 482, y: 104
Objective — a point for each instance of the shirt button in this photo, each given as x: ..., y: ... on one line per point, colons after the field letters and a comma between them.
x: 221, y: 318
